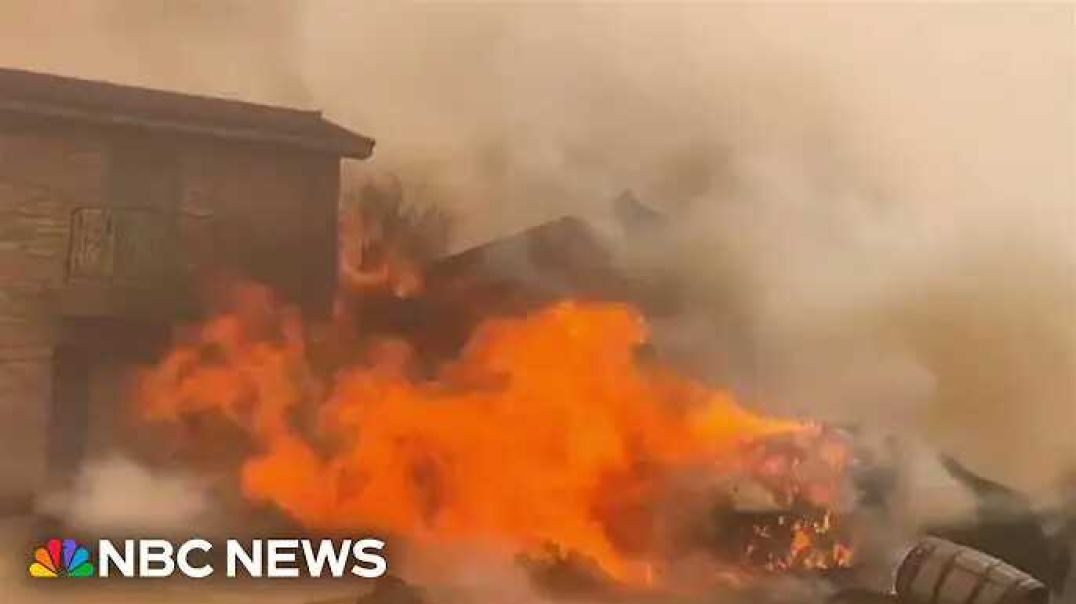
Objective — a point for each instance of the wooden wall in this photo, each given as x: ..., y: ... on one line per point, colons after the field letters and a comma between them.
x: 117, y: 228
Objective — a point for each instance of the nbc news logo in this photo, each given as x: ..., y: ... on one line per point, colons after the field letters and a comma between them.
x: 156, y: 558
x: 61, y: 559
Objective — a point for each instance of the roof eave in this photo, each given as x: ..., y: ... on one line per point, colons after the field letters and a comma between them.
x: 346, y: 143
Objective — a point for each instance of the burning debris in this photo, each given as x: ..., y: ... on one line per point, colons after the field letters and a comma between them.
x: 554, y: 408
x: 385, y: 241
x: 450, y: 432
x: 524, y: 416
x: 546, y: 399
x: 801, y: 527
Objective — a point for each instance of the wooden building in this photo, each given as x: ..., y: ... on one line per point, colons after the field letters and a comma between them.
x: 112, y: 200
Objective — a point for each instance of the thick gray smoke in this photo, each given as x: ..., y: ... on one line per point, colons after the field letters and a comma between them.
x: 874, y: 206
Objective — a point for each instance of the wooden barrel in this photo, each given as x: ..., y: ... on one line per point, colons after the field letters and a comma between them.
x: 937, y: 571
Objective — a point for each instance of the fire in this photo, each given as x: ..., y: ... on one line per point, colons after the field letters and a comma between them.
x: 522, y: 441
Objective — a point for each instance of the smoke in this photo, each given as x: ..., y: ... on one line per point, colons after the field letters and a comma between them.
x: 237, y: 48
x: 871, y: 205
x: 117, y: 494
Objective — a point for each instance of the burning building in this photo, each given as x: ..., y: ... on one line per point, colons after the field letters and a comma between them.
x: 113, y: 201
x: 507, y: 395
x: 124, y: 207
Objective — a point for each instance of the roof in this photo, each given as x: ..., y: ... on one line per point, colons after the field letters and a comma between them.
x: 26, y: 93
x: 565, y: 244
x: 564, y: 257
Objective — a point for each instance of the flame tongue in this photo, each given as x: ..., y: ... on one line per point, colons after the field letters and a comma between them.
x: 522, y: 441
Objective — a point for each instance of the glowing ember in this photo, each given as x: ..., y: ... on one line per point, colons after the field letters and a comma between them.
x: 522, y: 441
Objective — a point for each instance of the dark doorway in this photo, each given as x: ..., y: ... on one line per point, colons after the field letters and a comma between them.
x: 90, y: 368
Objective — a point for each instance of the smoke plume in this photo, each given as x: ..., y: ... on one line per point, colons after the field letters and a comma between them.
x: 871, y: 205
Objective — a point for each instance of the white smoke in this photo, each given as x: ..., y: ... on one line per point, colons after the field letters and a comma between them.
x: 116, y: 494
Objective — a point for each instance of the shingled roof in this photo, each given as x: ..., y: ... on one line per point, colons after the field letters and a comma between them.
x: 24, y: 93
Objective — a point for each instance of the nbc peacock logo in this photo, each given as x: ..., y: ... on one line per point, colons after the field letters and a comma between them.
x: 61, y: 558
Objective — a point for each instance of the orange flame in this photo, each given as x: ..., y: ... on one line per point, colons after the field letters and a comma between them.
x: 370, y: 260
x: 518, y: 442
